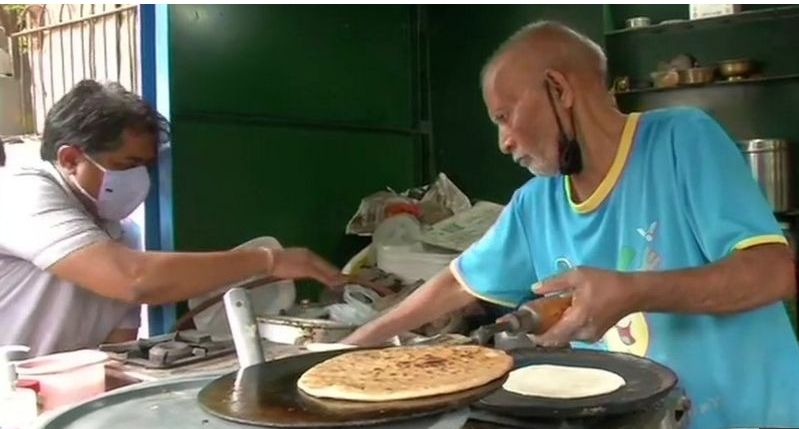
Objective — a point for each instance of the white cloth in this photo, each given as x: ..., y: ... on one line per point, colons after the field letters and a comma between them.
x: 41, y: 222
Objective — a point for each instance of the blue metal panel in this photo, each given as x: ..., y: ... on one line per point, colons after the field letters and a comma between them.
x: 155, y: 89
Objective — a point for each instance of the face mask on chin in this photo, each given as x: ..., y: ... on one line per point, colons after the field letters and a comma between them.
x: 570, y: 160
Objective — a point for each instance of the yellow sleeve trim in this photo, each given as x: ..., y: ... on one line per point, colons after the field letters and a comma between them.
x: 760, y: 239
x: 612, y: 177
x: 453, y: 268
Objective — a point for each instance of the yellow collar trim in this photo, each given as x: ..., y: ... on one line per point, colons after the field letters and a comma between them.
x: 606, y: 185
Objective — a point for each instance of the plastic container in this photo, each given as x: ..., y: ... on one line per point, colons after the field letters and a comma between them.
x: 36, y: 387
x: 66, y: 378
x: 17, y: 405
x: 17, y: 408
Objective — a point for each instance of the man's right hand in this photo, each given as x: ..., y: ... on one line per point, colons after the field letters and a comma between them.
x: 112, y: 270
x: 296, y: 263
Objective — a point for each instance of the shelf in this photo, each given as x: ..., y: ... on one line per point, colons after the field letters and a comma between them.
x: 790, y: 214
x: 791, y: 217
x: 740, y: 17
x: 719, y: 83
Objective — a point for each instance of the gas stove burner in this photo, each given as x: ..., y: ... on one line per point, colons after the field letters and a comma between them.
x: 169, y: 350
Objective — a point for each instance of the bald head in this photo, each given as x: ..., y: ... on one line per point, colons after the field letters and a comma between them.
x: 549, y: 45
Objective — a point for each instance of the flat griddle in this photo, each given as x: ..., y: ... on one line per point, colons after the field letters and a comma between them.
x: 647, y: 382
x: 266, y: 394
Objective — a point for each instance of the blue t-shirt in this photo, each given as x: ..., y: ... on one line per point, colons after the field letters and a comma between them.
x: 677, y: 195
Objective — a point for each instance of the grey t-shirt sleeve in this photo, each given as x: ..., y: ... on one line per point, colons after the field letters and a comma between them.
x: 42, y: 222
x: 132, y: 318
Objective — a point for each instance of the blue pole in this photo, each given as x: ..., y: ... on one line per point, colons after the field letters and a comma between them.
x: 154, y: 24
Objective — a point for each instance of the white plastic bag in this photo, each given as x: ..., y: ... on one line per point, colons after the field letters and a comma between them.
x: 358, y: 307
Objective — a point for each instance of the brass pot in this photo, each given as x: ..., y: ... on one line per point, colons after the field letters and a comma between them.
x: 737, y: 68
x: 696, y: 75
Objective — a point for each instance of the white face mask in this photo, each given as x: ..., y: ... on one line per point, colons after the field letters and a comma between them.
x: 121, y: 191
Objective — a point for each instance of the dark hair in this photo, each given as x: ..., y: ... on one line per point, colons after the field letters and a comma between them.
x: 2, y: 154
x: 92, y: 116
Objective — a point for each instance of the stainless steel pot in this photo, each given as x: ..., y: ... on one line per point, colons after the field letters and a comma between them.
x: 770, y: 163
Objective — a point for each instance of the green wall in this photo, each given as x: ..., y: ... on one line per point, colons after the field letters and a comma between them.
x: 285, y: 116
x: 349, y: 64
x: 461, y: 40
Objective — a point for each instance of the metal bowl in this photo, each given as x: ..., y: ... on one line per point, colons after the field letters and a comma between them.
x: 696, y: 75
x: 638, y: 22
x: 741, y: 67
x: 299, y: 331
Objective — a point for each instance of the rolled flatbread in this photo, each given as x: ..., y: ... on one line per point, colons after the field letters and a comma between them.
x: 562, y: 382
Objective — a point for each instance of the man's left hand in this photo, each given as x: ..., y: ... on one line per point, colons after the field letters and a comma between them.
x: 600, y: 299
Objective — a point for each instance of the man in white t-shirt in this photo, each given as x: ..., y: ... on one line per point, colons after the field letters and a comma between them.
x: 69, y: 275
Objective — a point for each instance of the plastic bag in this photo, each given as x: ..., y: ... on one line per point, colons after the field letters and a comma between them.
x: 358, y: 307
x: 431, y: 204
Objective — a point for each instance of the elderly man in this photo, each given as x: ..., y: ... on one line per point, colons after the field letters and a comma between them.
x: 650, y: 221
x: 67, y: 280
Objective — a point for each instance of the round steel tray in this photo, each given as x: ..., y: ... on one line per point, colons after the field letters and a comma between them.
x: 173, y: 404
